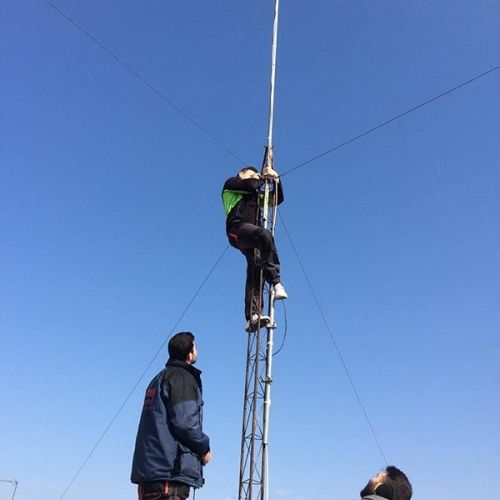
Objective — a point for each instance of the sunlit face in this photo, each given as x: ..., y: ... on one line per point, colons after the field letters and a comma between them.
x: 379, y: 478
x: 193, y: 355
x: 373, y: 483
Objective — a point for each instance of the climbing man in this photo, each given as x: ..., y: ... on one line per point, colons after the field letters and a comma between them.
x: 171, y: 448
x: 240, y: 196
x: 389, y: 484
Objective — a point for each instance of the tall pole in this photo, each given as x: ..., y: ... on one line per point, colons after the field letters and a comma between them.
x: 269, y: 162
x: 254, y: 467
x: 273, y: 74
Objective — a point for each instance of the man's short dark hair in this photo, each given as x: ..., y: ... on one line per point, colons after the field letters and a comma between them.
x: 180, y: 345
x: 399, y: 482
x: 248, y: 167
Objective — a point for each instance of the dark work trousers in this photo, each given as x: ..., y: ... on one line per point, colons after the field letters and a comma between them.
x: 163, y: 490
x: 247, y: 237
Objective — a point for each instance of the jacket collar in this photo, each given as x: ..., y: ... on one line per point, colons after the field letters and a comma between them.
x: 182, y: 364
x: 176, y: 363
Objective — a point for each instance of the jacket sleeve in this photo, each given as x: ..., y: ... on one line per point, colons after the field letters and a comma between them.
x: 185, y: 416
x: 238, y: 184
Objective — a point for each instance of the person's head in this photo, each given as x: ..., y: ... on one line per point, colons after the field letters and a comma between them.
x: 390, y: 483
x: 182, y: 347
x: 248, y: 172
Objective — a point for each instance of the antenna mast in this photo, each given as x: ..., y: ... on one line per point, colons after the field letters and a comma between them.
x: 254, y: 460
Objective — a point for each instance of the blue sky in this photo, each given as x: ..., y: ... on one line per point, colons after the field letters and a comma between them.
x: 110, y: 218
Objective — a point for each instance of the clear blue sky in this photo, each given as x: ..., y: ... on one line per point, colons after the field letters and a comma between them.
x: 110, y: 218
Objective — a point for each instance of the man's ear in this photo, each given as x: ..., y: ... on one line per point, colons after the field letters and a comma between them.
x: 385, y: 490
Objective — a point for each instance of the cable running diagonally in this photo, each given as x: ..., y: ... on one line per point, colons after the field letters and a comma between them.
x: 337, y: 348
x: 134, y: 387
x: 393, y: 119
x: 225, y: 148
x: 133, y: 72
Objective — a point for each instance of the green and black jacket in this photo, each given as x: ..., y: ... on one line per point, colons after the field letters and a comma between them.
x: 240, y: 198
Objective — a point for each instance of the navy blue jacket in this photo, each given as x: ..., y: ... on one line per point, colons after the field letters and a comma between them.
x: 170, y: 439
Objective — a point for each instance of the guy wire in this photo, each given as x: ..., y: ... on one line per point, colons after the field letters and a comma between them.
x: 337, y: 348
x: 393, y: 119
x: 133, y: 72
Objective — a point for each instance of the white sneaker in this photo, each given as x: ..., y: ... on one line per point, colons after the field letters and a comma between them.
x: 253, y: 323
x: 280, y: 292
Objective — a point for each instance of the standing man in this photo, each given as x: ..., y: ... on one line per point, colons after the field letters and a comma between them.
x: 171, y: 448
x: 240, y: 196
x: 389, y: 484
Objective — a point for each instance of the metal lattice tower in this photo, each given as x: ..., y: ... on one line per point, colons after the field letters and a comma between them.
x: 254, y: 467
x: 257, y: 393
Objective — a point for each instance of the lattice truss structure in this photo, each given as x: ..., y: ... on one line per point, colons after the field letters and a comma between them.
x: 258, y: 378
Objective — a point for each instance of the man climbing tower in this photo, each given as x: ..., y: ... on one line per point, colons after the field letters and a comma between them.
x: 240, y: 196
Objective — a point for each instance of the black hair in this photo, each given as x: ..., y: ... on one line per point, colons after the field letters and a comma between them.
x: 249, y: 167
x: 399, y: 483
x: 180, y: 345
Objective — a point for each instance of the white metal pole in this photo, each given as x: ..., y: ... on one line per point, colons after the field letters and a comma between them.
x: 268, y: 161
x: 273, y: 74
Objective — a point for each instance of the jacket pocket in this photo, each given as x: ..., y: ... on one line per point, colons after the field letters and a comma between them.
x: 188, y: 464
